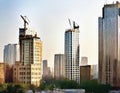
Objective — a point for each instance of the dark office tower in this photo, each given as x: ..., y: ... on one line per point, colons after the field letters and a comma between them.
x: 109, y: 45
x: 45, y: 67
x: 72, y: 53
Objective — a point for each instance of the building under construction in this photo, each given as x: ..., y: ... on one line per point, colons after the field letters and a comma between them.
x: 28, y: 70
x: 72, y: 52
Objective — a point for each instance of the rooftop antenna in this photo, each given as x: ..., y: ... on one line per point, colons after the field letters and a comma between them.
x: 25, y: 19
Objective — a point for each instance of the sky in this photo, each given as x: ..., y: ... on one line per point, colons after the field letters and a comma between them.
x: 49, y: 18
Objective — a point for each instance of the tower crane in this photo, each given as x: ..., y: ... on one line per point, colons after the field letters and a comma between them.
x: 25, y: 19
x: 75, y: 25
x: 70, y: 23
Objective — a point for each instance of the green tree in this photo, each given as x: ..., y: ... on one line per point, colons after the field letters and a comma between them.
x: 10, y: 88
x: 20, y: 88
x: 3, y: 87
x: 33, y: 88
x: 92, y: 86
x: 42, y: 86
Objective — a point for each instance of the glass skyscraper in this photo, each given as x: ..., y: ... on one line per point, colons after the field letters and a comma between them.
x: 72, y: 53
x: 109, y: 45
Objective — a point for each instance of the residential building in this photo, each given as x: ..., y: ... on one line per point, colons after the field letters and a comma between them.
x: 2, y: 73
x: 109, y: 45
x: 72, y: 53
x: 59, y: 66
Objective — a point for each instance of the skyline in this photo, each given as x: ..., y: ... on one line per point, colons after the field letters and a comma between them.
x: 50, y: 19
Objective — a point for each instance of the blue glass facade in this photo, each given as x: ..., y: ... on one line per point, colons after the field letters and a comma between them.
x: 72, y: 54
x: 109, y: 45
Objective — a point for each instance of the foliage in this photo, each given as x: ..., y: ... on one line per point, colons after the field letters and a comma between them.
x: 92, y: 86
x: 58, y: 83
x: 16, y: 88
x: 13, y: 88
x: 3, y: 87
x: 33, y: 88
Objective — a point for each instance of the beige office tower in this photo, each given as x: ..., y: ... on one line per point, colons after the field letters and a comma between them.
x: 28, y: 70
x: 109, y: 45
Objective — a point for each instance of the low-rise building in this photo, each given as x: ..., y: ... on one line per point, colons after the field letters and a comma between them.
x: 8, y: 73
x: 2, y: 73
x: 28, y: 74
x: 85, y: 72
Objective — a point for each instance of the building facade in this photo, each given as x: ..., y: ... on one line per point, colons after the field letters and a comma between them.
x: 2, y: 73
x: 11, y: 53
x: 8, y: 73
x: 59, y: 66
x: 95, y: 71
x: 49, y: 73
x: 72, y: 53
x: 109, y: 45
x: 86, y: 73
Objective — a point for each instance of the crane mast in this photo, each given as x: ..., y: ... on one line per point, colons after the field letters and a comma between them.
x: 25, y: 21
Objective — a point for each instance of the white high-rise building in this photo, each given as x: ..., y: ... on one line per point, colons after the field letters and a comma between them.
x: 59, y: 66
x: 84, y: 61
x: 109, y: 45
x: 72, y: 53
x: 11, y: 53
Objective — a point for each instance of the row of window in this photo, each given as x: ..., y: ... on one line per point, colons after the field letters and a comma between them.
x: 25, y: 77
x: 24, y: 73
x: 36, y: 69
x: 23, y: 68
x: 35, y: 73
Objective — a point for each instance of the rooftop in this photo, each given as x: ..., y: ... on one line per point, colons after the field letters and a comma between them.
x: 113, y: 4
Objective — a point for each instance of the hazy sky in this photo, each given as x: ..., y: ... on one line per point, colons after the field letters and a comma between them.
x: 50, y: 19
